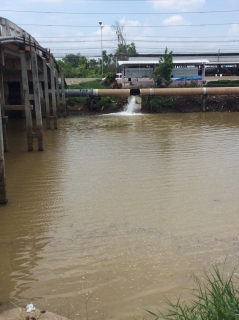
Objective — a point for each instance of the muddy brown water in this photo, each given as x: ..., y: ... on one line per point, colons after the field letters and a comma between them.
x: 118, y: 212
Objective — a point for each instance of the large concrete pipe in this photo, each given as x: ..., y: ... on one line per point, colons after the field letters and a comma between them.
x: 152, y: 92
x: 78, y: 92
x: 188, y: 91
x: 97, y: 92
x: 111, y: 92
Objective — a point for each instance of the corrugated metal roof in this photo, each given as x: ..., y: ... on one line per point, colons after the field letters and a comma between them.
x: 216, y: 58
x: 155, y: 61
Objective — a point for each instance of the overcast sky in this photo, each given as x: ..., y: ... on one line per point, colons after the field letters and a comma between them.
x: 183, y: 26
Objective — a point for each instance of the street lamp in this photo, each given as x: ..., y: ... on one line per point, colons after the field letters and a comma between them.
x: 101, y: 27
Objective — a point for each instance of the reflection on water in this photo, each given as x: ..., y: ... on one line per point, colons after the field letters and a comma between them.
x: 118, y: 209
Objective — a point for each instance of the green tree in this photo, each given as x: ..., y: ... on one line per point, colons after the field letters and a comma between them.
x: 124, y: 50
x: 164, y: 68
x: 73, y: 59
x: 94, y: 68
x: 83, y: 62
x: 68, y: 70
x: 109, y: 62
x: 80, y: 67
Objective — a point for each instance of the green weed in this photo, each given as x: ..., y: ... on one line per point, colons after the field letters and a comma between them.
x: 215, y: 299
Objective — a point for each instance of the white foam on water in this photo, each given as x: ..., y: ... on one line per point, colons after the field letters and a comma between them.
x: 130, y: 109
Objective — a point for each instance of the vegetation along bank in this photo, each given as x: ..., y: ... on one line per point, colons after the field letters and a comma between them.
x: 164, y: 104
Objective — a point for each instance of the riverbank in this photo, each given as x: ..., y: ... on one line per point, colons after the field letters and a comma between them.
x: 159, y: 104
x: 178, y: 104
x: 19, y: 313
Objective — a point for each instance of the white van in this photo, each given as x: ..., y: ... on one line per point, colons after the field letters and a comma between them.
x: 118, y: 76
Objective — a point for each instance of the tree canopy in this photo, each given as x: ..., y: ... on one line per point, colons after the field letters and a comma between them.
x: 76, y: 65
x: 124, y: 50
x: 164, y: 68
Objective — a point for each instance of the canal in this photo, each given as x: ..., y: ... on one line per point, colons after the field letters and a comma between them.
x: 119, y: 211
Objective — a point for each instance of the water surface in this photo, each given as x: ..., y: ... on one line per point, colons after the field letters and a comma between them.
x: 118, y: 211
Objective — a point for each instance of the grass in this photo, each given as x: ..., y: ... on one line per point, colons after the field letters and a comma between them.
x: 223, y: 83
x: 95, y: 84
x: 215, y: 299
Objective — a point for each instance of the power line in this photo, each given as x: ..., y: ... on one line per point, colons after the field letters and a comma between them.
x: 125, y: 13
x: 135, y: 36
x: 170, y: 26
x: 147, y: 41
x: 186, y: 51
x: 181, y: 46
x: 130, y: 35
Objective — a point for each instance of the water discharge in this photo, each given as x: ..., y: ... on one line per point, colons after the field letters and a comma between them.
x: 130, y: 109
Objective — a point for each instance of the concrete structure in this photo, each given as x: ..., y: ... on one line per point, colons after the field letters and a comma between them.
x: 28, y: 85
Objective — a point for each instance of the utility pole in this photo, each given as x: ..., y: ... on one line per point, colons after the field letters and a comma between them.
x: 101, y: 27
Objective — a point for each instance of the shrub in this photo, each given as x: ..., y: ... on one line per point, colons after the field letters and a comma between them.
x: 107, y: 103
x: 77, y: 100
x: 223, y: 83
x: 216, y: 299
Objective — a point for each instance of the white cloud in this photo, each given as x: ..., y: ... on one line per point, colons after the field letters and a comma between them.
x: 133, y: 31
x: 175, y: 20
x: 131, y: 23
x: 180, y: 5
x: 234, y: 30
x: 107, y: 30
x: 44, y: 1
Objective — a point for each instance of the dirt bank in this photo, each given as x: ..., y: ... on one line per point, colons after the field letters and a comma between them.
x: 181, y: 104
x: 21, y: 314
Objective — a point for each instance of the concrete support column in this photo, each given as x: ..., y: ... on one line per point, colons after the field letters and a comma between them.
x: 63, y: 97
x: 3, y: 187
x: 204, y: 98
x: 46, y: 94
x: 2, y: 101
x: 57, y: 90
x: 123, y: 74
x: 37, y: 100
x: 150, y: 103
x: 53, y: 92
x: 24, y: 60
x: 63, y: 88
x: 203, y: 72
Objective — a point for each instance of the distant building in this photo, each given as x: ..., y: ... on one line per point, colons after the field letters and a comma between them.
x: 187, y: 67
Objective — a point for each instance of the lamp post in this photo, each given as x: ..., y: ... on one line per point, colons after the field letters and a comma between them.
x: 101, y: 27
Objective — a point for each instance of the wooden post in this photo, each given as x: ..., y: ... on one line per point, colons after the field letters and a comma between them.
x: 37, y: 100
x: 46, y: 94
x: 23, y: 57
x: 2, y: 101
x: 3, y: 187
x: 53, y: 92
